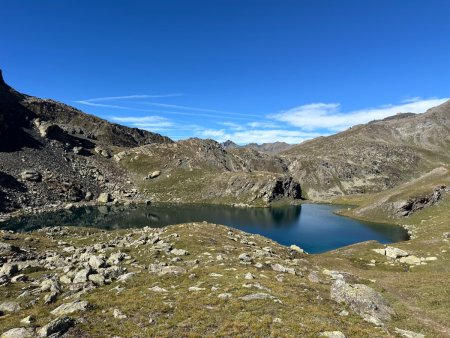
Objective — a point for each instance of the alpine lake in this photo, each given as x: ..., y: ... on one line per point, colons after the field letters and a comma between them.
x: 316, y: 228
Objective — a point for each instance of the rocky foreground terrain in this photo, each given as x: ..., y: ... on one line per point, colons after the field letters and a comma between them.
x: 197, y: 279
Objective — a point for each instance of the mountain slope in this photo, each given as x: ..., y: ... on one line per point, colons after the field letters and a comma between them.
x: 374, y: 156
x: 196, y: 170
x: 19, y: 110
x: 52, y: 154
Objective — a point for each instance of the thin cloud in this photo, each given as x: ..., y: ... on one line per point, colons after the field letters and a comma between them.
x: 165, y: 105
x: 132, y: 97
x: 110, y: 106
x: 268, y: 125
x: 154, y: 122
x: 329, y: 115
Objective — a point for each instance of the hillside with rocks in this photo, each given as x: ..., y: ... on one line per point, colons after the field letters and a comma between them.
x: 374, y: 156
x: 196, y: 170
x: 52, y: 154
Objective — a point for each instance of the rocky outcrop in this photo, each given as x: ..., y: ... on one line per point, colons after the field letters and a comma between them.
x: 406, y: 208
x: 363, y: 300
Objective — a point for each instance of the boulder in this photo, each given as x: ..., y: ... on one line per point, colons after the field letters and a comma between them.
x: 7, y: 249
x: 18, y: 332
x: 10, y: 307
x: 96, y: 262
x: 56, y: 328
x: 395, y: 253
x: 363, y: 300
x: 154, y: 174
x: 9, y: 269
x: 68, y: 308
x: 53, y: 131
x: 81, y: 276
x: 97, y: 279
x: 296, y: 248
x: 179, y: 252
x: 103, y: 152
x: 172, y: 270
x: 410, y: 260
x: 245, y: 257
x: 28, y: 320
x: 408, y: 334
x: 31, y: 175
x: 104, y: 197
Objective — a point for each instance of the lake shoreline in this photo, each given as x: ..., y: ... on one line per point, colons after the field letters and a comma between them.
x: 315, y: 227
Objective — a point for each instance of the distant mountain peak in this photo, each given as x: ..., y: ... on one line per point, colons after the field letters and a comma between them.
x: 228, y: 144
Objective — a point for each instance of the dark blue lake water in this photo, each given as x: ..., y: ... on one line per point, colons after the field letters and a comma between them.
x: 313, y: 227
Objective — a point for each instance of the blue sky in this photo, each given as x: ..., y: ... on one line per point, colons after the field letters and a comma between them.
x: 246, y: 70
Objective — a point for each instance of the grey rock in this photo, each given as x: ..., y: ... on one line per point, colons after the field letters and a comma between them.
x: 179, y: 252
x: 245, y: 257
x: 249, y: 275
x: 296, y: 248
x: 410, y: 260
x: 81, y: 276
x: 28, y: 320
x: 172, y: 270
x: 280, y: 268
x: 116, y: 258
x: 96, y: 262
x: 363, y: 300
x: 153, y: 174
x: 10, y: 307
x: 394, y: 253
x: 97, y: 279
x: 68, y: 308
x: 255, y: 296
x: 195, y: 288
x: 104, y: 197
x: 50, y: 285
x: 118, y: 314
x: 31, y: 175
x: 157, y: 289
x: 7, y: 249
x: 9, y: 269
x: 50, y: 298
x: 126, y: 277
x: 56, y: 327
x: 332, y: 334
x: 18, y: 332
x: 65, y: 279
x: 408, y: 334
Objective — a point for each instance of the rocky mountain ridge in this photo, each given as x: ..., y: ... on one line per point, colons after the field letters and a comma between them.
x: 52, y: 154
x: 374, y: 156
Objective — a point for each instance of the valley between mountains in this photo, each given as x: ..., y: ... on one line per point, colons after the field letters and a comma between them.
x: 202, y: 279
